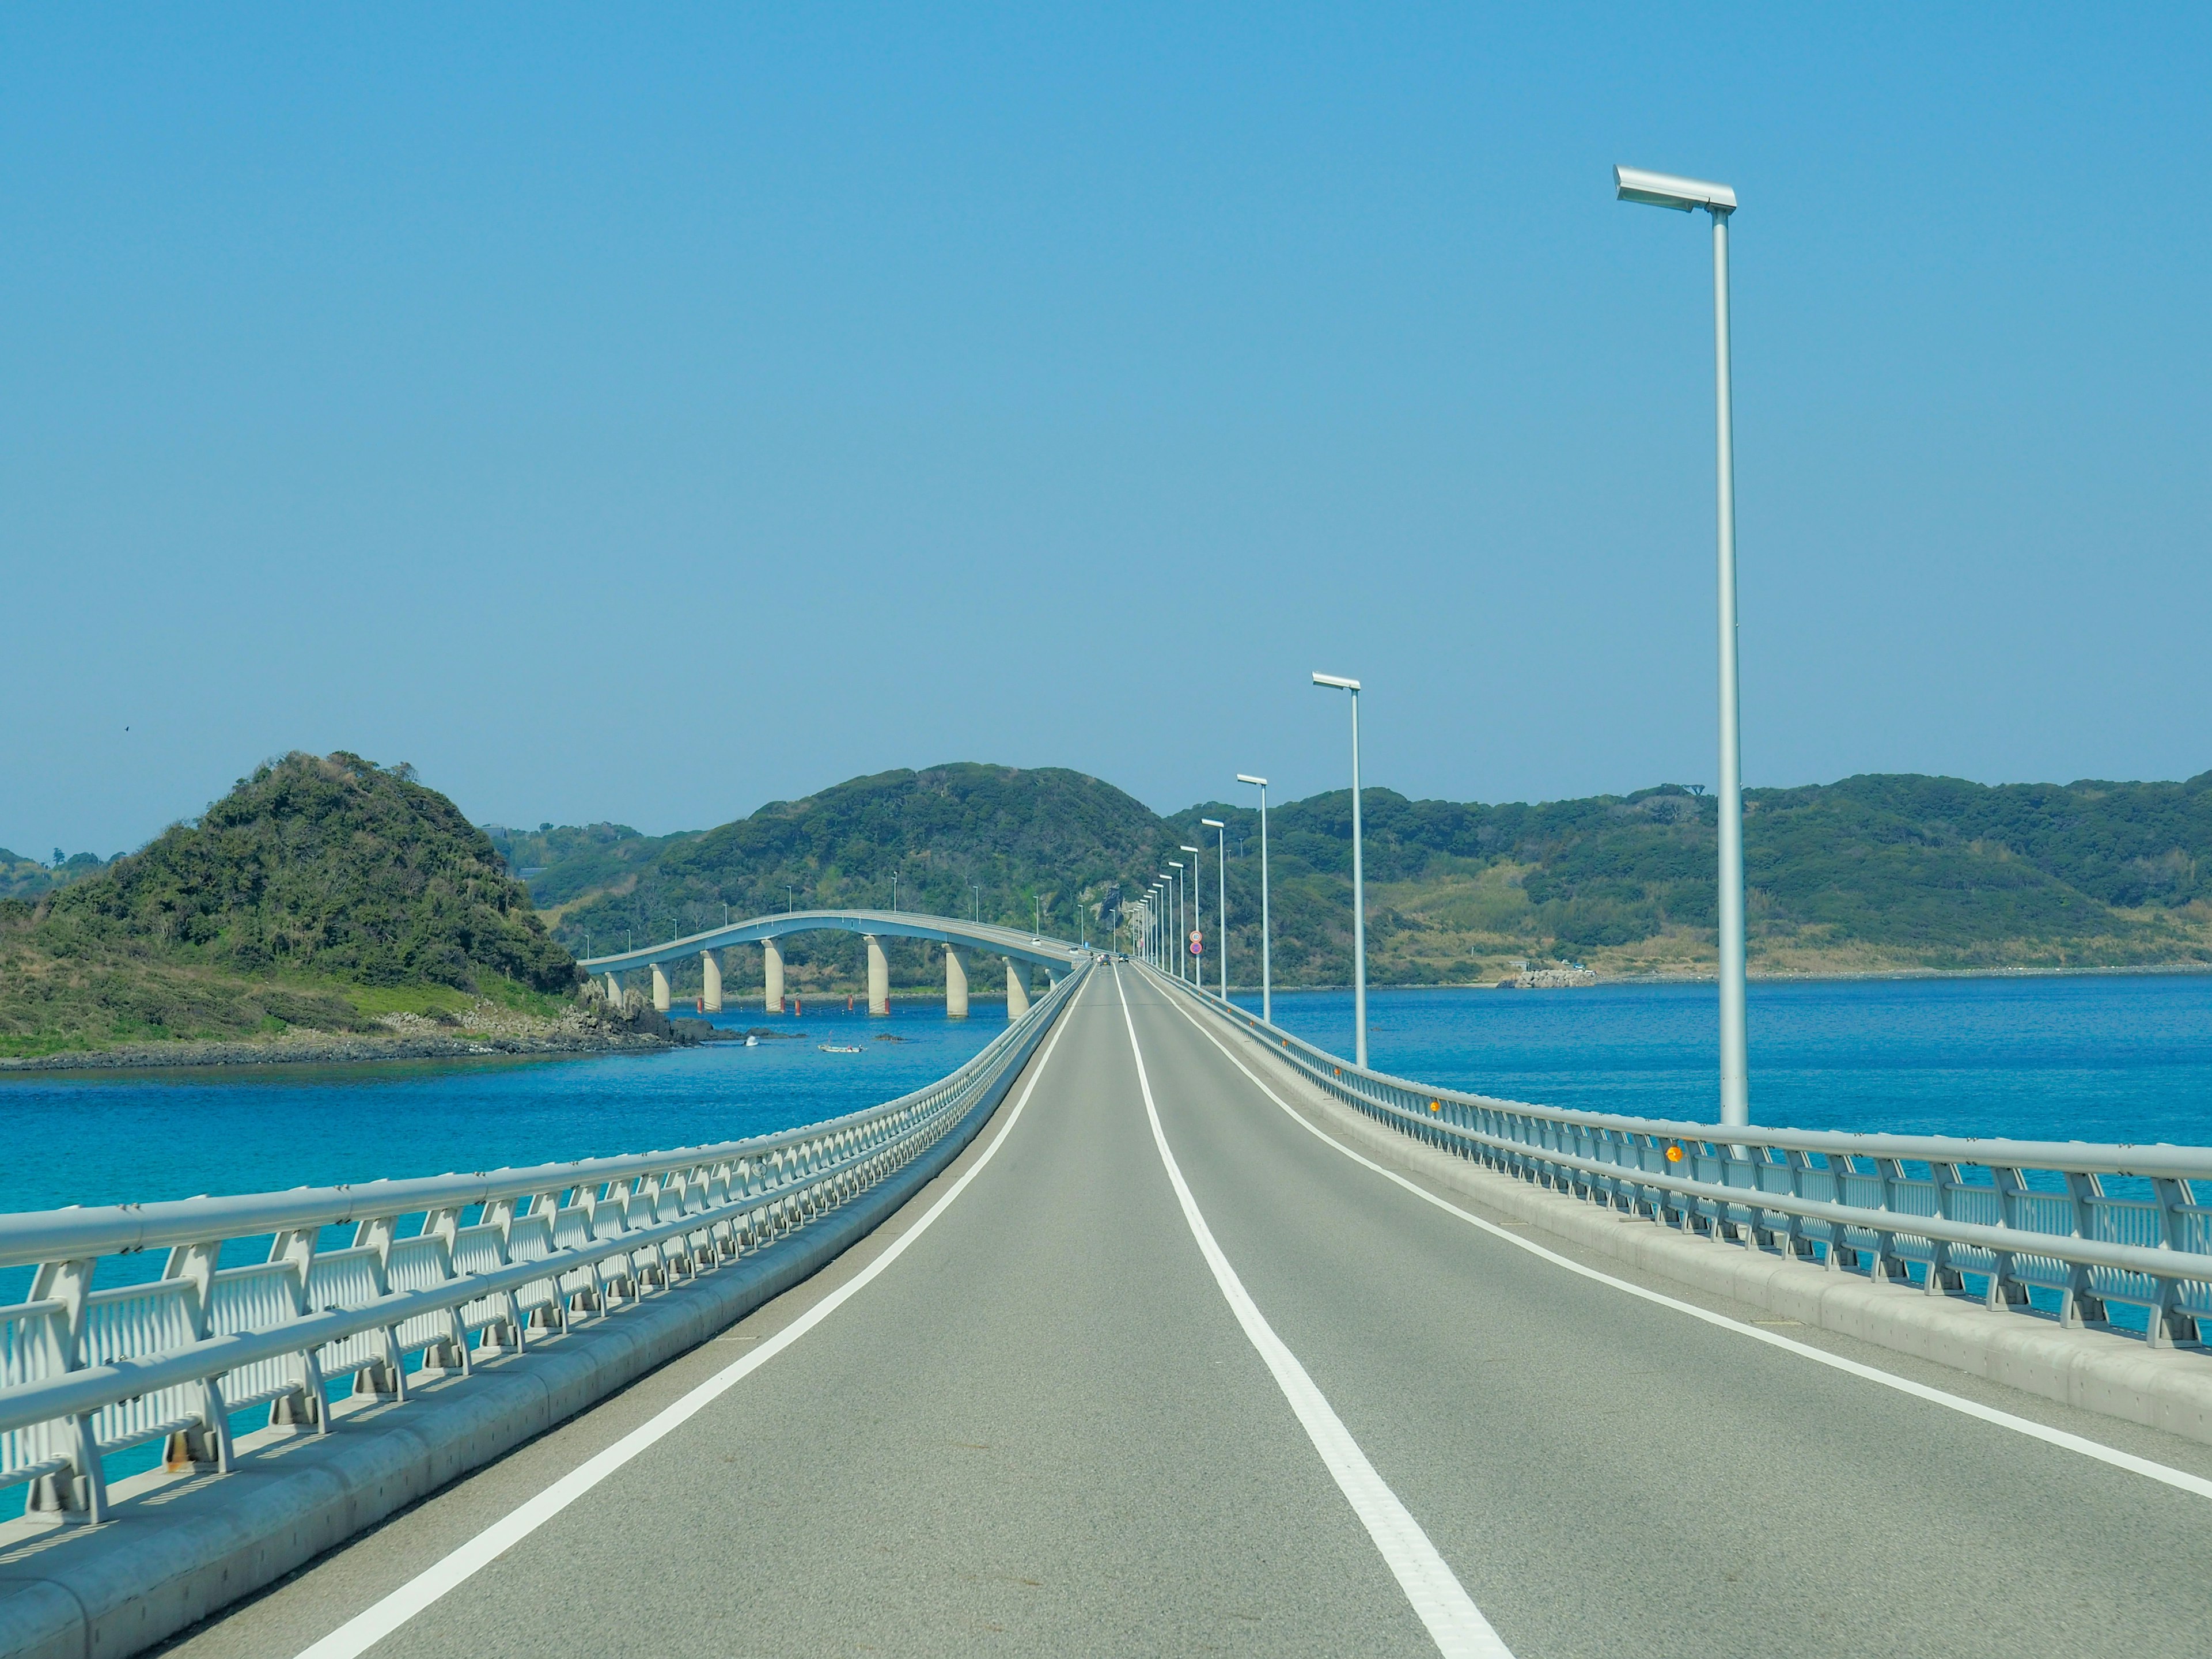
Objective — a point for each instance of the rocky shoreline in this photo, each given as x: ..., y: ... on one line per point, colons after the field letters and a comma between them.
x: 483, y: 1030
x: 324, y: 1049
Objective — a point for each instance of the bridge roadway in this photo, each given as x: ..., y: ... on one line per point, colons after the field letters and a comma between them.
x: 1027, y: 1420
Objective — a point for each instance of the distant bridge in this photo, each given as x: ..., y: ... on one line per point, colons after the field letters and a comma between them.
x: 1019, y: 946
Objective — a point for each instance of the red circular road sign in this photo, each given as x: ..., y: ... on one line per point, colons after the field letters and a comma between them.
x: 1197, y: 943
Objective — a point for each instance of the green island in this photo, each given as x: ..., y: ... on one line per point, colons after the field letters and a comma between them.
x: 332, y: 906
x: 322, y: 898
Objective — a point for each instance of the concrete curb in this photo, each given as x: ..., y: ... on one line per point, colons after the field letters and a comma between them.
x: 2099, y: 1371
x: 181, y: 1547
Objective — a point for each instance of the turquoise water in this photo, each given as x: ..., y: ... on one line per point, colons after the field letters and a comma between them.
x: 2106, y: 1058
x: 104, y: 1137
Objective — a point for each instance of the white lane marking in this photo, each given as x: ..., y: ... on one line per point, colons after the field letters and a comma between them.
x: 1454, y: 1623
x: 371, y: 1626
x: 2179, y: 1479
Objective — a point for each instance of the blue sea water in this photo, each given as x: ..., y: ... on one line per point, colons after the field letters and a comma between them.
x: 106, y: 1138
x: 2125, y: 1058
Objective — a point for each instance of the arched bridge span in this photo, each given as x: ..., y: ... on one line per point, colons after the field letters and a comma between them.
x: 1021, y: 949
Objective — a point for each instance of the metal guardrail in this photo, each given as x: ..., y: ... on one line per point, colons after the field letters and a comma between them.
x: 441, y: 1272
x: 2082, y: 1224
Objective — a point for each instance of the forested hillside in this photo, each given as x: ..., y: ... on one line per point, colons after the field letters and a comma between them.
x: 1000, y: 843
x: 316, y: 893
x: 1874, y: 872
x: 1871, y: 873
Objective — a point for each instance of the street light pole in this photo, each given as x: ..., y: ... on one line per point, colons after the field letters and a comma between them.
x: 1358, y: 884
x: 1686, y: 196
x: 1197, y: 919
x: 1266, y: 967
x: 1221, y: 894
x: 1181, y: 917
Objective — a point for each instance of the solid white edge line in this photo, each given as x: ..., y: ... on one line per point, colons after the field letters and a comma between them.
x: 2179, y: 1479
x: 379, y: 1619
x: 1453, y: 1622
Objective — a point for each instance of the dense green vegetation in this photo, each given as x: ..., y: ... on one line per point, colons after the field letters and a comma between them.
x: 561, y: 862
x: 319, y: 891
x: 967, y: 839
x: 24, y: 878
x: 1872, y: 872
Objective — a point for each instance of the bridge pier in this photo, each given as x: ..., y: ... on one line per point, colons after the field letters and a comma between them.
x: 613, y: 990
x: 772, y: 977
x: 711, y: 967
x: 659, y: 988
x: 1018, y: 990
x: 879, y: 976
x: 956, y: 984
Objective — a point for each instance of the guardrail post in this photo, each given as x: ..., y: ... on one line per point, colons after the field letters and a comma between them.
x: 2078, y: 1305
x: 2168, y: 1324
x: 506, y: 1330
x: 1944, y: 1279
x: 309, y: 1404
x: 386, y: 1378
x: 207, y: 1446
x: 80, y: 1492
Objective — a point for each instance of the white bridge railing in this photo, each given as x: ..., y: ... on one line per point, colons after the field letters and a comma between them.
x: 441, y: 1273
x: 2066, y: 1224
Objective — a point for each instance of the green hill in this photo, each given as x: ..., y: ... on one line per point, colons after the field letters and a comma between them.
x: 1001, y: 842
x: 319, y: 892
x: 1872, y: 873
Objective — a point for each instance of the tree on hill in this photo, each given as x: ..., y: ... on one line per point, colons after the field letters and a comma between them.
x: 325, y: 867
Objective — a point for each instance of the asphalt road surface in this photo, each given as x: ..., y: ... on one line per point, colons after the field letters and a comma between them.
x: 1057, y: 1406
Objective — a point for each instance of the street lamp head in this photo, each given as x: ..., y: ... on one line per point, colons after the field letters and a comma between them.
x: 1665, y: 190
x: 1246, y: 777
x: 1177, y: 864
x: 1336, y: 680
x: 1213, y: 824
x: 1187, y: 849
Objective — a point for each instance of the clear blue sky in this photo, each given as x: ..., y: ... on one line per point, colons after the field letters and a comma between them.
x: 645, y: 413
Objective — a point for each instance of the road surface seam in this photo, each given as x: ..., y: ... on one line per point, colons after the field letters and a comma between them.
x: 2162, y: 1472
x: 358, y: 1634
x: 1453, y: 1622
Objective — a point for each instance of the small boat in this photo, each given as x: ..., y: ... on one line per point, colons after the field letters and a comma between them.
x: 752, y: 1043
x: 840, y: 1048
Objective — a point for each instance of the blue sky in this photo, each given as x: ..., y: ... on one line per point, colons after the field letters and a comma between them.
x: 648, y: 413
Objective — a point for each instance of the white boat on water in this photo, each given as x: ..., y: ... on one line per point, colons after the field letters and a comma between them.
x: 840, y: 1048
x: 752, y: 1042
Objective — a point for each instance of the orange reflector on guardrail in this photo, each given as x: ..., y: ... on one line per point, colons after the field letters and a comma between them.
x: 1674, y: 1154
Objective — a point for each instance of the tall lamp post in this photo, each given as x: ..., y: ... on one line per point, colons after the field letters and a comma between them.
x: 1358, y: 886
x: 1167, y: 915
x: 1266, y: 977
x: 1221, y: 894
x: 1181, y: 914
x: 1197, y: 919
x: 1687, y: 195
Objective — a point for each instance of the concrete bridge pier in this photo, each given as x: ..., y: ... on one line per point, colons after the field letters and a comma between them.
x: 956, y: 984
x: 710, y: 966
x: 1018, y: 990
x: 772, y: 977
x: 659, y: 988
x: 879, y: 976
x: 613, y: 990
